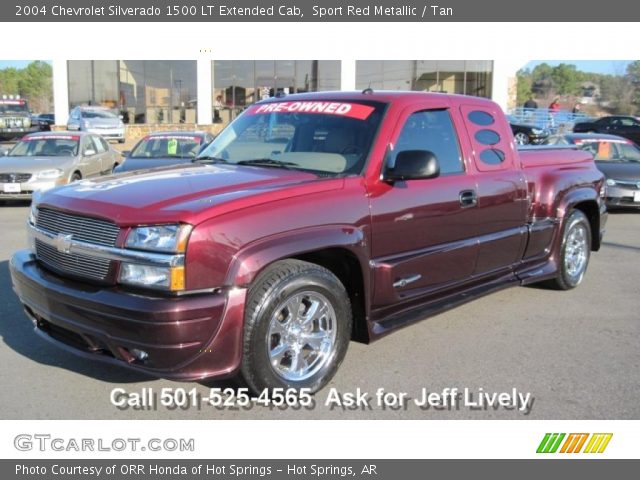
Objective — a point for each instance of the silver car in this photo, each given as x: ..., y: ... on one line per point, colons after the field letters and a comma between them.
x: 98, y: 120
x: 44, y: 160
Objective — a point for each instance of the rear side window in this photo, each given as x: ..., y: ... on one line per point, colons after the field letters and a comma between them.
x: 484, y: 124
x: 433, y: 130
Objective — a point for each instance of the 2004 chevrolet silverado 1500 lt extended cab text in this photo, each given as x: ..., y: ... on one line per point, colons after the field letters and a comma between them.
x: 310, y: 220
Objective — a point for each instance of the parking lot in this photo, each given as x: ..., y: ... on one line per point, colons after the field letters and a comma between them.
x: 576, y: 353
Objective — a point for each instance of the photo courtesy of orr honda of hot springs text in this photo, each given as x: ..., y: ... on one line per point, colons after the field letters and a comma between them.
x: 311, y: 220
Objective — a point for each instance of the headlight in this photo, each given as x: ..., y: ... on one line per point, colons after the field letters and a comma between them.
x: 159, y: 238
x: 33, y: 211
x: 50, y: 174
x: 611, y: 182
x: 26, y: 122
x: 536, y: 131
x: 3, y: 124
x: 147, y: 276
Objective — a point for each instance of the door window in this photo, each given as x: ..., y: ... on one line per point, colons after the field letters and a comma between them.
x: 433, y: 130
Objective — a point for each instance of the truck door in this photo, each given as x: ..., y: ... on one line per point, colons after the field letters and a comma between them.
x: 422, y: 230
x: 502, y: 206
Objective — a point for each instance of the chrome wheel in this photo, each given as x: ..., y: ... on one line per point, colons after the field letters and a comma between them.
x: 521, y: 138
x: 301, y: 336
x: 576, y: 250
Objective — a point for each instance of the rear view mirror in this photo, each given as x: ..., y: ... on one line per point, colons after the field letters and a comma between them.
x: 413, y: 165
x: 126, y: 153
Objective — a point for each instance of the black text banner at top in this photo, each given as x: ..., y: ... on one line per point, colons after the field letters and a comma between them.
x: 317, y: 11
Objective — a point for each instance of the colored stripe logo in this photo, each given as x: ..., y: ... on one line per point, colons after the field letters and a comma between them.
x: 574, y: 443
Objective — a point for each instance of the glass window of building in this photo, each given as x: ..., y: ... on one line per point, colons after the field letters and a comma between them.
x: 142, y: 91
x: 467, y: 77
x: 239, y: 83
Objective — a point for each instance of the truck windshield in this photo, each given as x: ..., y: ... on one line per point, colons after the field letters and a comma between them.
x: 46, y: 146
x: 325, y: 137
x: 167, y: 146
x: 14, y: 106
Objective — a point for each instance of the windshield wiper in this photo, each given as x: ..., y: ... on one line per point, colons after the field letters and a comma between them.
x: 268, y: 162
x: 207, y: 159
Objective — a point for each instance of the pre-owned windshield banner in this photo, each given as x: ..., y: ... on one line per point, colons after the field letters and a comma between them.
x: 318, y: 11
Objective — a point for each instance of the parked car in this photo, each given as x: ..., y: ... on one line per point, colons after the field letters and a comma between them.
x: 164, y: 148
x: 41, y: 161
x: 15, y: 118
x: 310, y: 220
x: 623, y: 126
x: 98, y: 120
x: 525, y: 134
x: 44, y: 121
x: 617, y: 157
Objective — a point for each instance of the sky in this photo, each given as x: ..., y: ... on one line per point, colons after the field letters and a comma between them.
x: 15, y: 63
x: 611, y: 67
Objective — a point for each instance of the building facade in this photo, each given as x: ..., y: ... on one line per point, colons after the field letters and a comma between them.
x: 215, y: 91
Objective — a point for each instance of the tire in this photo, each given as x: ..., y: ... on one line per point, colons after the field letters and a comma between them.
x: 521, y: 138
x: 280, y: 348
x: 575, y: 250
x: 75, y: 177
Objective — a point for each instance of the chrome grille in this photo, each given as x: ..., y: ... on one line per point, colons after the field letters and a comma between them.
x: 633, y: 184
x: 80, y: 265
x: 86, y: 229
x: 14, y: 177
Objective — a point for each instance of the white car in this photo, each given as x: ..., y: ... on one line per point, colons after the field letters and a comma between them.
x: 98, y: 120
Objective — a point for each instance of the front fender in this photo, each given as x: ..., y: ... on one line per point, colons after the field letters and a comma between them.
x: 256, y: 256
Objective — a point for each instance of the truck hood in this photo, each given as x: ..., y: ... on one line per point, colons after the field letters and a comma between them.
x: 180, y: 193
x: 629, y: 171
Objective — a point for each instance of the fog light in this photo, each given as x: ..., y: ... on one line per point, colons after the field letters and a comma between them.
x: 139, y: 354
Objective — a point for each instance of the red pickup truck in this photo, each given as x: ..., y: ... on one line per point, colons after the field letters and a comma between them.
x: 311, y: 220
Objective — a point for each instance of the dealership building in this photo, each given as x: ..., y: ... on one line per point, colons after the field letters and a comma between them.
x: 214, y: 91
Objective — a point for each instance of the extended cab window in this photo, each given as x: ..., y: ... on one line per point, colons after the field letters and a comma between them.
x: 433, y: 130
x: 326, y: 137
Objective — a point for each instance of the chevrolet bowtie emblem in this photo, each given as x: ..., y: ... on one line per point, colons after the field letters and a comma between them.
x: 63, y: 243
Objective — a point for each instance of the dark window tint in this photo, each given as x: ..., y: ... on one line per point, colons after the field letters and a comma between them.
x: 492, y: 156
x: 487, y: 137
x: 433, y: 130
x: 481, y: 118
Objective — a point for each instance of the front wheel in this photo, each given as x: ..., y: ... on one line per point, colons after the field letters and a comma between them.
x: 574, y: 251
x: 297, y: 327
x: 521, y: 138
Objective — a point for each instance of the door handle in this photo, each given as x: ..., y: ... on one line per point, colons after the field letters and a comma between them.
x: 468, y: 198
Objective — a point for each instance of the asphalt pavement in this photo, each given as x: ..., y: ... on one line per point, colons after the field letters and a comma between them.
x: 568, y: 355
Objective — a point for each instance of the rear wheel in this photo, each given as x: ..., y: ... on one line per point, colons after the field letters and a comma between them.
x: 75, y: 177
x: 574, y: 251
x: 297, y: 327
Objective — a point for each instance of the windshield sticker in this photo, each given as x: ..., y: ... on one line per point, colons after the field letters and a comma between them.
x: 173, y: 137
x: 51, y: 137
x: 351, y: 110
x: 172, y: 146
x: 587, y: 141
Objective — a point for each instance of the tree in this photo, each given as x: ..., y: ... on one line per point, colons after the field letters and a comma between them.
x: 34, y: 83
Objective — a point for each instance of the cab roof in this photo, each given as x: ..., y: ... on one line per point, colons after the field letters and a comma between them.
x: 385, y: 96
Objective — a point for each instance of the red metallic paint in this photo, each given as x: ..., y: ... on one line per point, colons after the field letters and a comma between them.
x: 245, y: 218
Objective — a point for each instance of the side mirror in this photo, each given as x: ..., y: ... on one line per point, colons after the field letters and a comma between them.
x: 413, y: 165
x: 126, y: 153
x: 89, y: 153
